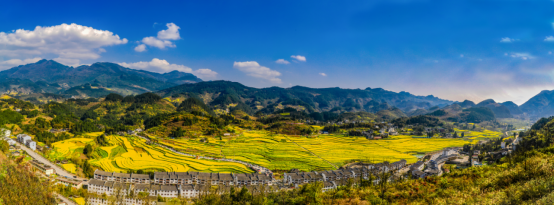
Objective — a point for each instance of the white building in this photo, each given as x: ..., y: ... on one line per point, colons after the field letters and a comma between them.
x: 32, y: 145
x: 5, y: 132
x: 11, y: 142
x: 23, y: 138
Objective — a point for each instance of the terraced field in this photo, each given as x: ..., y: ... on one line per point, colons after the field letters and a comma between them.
x: 132, y: 153
x: 339, y: 149
x: 273, y: 151
x: 212, y: 148
x: 270, y: 151
x: 64, y: 149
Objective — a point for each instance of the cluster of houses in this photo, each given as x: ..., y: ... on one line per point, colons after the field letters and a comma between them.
x: 27, y: 141
x: 172, y: 184
x: 182, y: 178
x: 334, y: 178
x: 435, y: 160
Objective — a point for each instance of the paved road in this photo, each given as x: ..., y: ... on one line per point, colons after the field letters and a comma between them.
x: 67, y: 201
x: 33, y: 154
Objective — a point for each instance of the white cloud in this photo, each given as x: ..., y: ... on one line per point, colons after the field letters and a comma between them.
x: 299, y: 58
x: 155, y: 42
x: 549, y: 38
x: 68, y: 41
x: 140, y: 48
x: 162, y: 40
x: 282, y: 61
x: 252, y: 68
x: 461, y: 56
x: 163, y: 66
x: 171, y: 33
x: 508, y: 40
x: 523, y: 56
x: 16, y: 62
x: 323, y: 74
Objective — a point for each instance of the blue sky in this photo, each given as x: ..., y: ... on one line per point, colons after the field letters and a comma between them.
x: 451, y: 49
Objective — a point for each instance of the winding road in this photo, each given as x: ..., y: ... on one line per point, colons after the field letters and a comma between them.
x: 59, y: 171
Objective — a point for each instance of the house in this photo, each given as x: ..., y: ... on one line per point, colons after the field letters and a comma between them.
x: 67, y: 182
x: 392, y: 131
x: 417, y: 166
x: 32, y: 145
x: 5, y: 133
x: 105, y: 176
x: 46, y: 169
x: 428, y: 129
x: 226, y: 134
x: 11, y: 142
x: 398, y: 165
x: 140, y: 178
x: 188, y: 191
x: 418, y: 174
x: 23, y: 138
x: 138, y: 188
x: 329, y: 186
x: 16, y: 153
x: 377, y: 137
x: 170, y: 191
x: 122, y: 177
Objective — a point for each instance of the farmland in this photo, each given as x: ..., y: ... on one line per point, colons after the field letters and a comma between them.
x: 132, y: 153
x: 274, y: 151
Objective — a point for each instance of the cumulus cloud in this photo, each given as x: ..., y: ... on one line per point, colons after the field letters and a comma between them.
x: 140, y: 48
x: 299, y: 58
x: 323, y: 74
x: 508, y: 40
x: 549, y: 38
x: 16, y: 62
x: 252, y: 68
x: 162, y: 40
x: 67, y: 41
x: 155, y: 42
x: 171, y: 33
x: 163, y: 66
x: 523, y: 56
x: 282, y: 61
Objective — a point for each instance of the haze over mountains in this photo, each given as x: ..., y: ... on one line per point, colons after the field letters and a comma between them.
x: 100, y: 79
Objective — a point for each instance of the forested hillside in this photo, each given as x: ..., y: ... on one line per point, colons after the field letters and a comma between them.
x: 48, y: 76
x: 221, y: 94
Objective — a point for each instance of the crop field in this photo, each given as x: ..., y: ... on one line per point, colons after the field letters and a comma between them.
x: 70, y: 167
x: 212, y: 148
x: 476, y: 135
x: 132, y: 153
x: 338, y: 149
x: 65, y: 148
x: 274, y: 151
x: 270, y: 151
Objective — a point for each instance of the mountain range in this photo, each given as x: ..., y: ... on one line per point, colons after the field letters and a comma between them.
x: 48, y: 76
x: 52, y: 79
